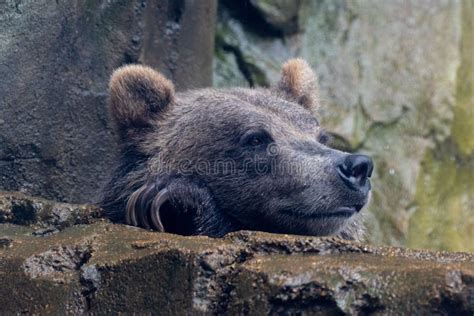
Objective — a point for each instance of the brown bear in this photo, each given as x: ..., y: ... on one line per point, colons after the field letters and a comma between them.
x: 213, y: 161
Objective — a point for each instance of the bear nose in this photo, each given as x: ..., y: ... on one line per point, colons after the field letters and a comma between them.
x: 355, y: 171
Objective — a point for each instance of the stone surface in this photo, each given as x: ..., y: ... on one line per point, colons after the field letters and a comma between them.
x: 396, y: 83
x: 446, y: 180
x: 105, y: 268
x: 44, y: 216
x: 276, y: 17
x: 281, y: 15
x: 55, y: 61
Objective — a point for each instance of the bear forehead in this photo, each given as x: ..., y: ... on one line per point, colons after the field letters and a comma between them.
x: 243, y: 106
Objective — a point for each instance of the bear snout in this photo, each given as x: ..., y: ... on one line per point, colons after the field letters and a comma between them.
x: 355, y: 171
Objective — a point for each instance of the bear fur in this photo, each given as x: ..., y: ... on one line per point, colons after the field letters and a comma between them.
x: 213, y: 161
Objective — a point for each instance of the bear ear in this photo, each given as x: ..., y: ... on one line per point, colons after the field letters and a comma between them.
x: 138, y: 94
x: 298, y: 83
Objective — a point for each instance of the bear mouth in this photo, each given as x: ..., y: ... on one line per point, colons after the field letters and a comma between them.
x: 340, y: 212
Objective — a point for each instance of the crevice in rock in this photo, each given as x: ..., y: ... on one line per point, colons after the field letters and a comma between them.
x: 240, y: 62
x: 310, y: 298
x: 211, y: 286
x: 58, y: 264
x: 90, y: 280
x: 252, y: 74
x: 378, y: 124
x: 23, y: 213
x: 258, y: 21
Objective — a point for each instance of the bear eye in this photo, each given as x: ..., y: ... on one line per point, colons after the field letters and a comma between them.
x: 324, y: 137
x: 255, y: 141
x: 255, y: 138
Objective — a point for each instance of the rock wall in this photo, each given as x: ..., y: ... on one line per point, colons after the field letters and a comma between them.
x: 396, y: 83
x: 55, y: 61
x: 444, y: 217
x: 58, y: 258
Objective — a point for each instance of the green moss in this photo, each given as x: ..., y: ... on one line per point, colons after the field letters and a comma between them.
x: 463, y: 126
x: 445, y: 187
x: 443, y: 219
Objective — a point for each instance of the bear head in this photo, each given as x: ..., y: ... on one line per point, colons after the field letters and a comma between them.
x: 212, y: 161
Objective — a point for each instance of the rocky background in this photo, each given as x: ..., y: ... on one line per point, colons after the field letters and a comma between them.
x: 396, y: 80
x: 56, y: 58
x: 396, y: 83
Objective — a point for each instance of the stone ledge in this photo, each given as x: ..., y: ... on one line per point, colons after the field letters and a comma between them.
x: 100, y: 267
